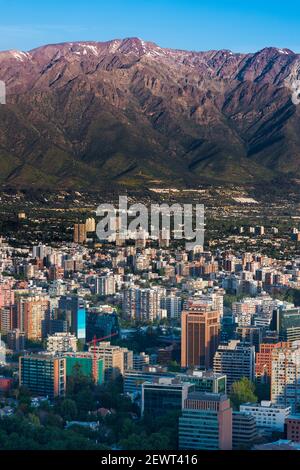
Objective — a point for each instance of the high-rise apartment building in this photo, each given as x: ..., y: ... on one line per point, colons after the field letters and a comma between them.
x: 6, y: 319
x: 213, y: 298
x: 71, y: 308
x: 106, y: 285
x: 32, y: 311
x: 263, y: 360
x: 285, y: 377
x: 244, y: 311
x: 40, y: 251
x: 127, y: 359
x: 6, y: 294
x: 43, y: 375
x: 149, y: 307
x: 79, y: 234
x: 200, y: 332
x: 113, y: 357
x: 61, y: 342
x: 286, y: 321
x: 236, y: 361
x: 173, y: 305
x: 142, y: 304
x: 90, y: 225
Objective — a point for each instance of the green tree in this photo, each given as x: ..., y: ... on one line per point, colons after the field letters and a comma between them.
x: 34, y: 419
x: 174, y: 366
x: 68, y: 409
x: 242, y: 391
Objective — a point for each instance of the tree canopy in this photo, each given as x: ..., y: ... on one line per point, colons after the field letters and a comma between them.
x: 242, y: 391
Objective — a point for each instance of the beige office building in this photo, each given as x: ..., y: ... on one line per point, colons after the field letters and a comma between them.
x: 115, y: 358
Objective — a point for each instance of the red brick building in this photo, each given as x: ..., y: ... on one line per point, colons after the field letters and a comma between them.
x: 263, y: 360
x: 292, y: 424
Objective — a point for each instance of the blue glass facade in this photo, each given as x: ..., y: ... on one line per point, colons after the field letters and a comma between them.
x: 73, y: 310
x: 81, y: 322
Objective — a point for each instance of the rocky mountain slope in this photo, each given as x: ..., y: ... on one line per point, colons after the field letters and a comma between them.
x: 129, y: 112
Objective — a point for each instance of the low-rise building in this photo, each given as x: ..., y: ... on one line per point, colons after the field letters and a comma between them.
x: 205, y: 381
x: 134, y: 379
x: 267, y: 414
x: 163, y: 395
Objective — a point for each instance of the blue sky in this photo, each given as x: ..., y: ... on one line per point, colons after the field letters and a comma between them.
x: 196, y: 25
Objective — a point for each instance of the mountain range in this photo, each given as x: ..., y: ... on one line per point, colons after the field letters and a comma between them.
x: 128, y: 112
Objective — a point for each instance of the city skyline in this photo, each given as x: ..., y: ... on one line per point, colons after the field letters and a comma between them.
x: 205, y: 341
x: 149, y: 230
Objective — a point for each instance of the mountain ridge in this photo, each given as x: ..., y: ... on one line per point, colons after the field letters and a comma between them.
x: 88, y: 114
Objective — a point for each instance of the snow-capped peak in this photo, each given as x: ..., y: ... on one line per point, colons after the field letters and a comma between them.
x: 19, y: 55
x: 84, y: 49
x: 283, y: 51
